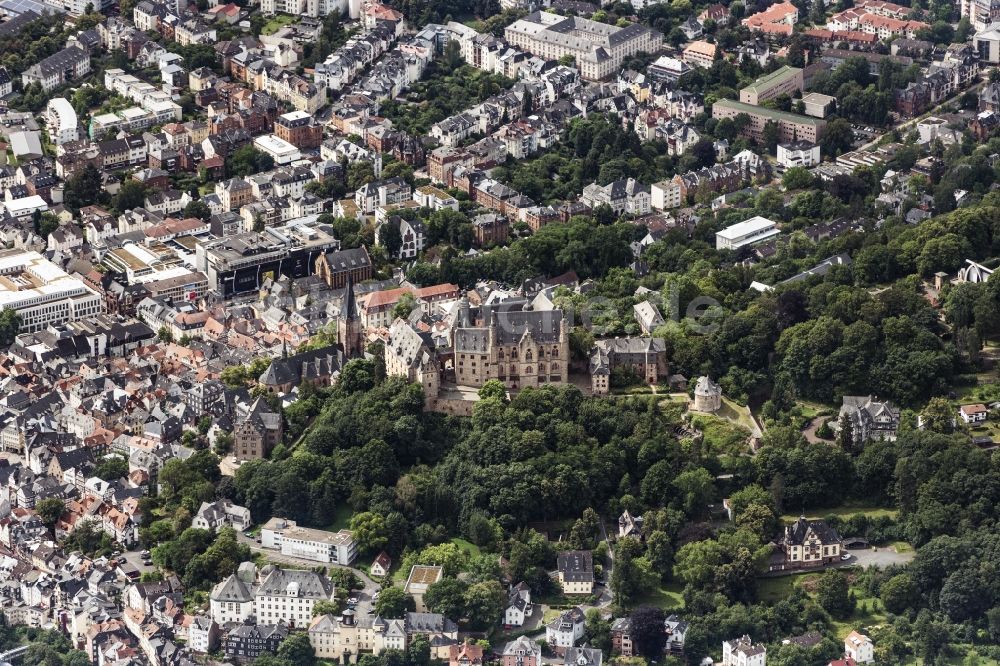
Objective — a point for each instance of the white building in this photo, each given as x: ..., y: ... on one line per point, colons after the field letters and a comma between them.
x: 565, y: 630
x: 666, y: 194
x: 279, y: 149
x: 25, y: 206
x: 203, y: 634
x: 288, y: 595
x: 42, y: 293
x: 748, y: 232
x: 309, y: 544
x: 597, y: 48
x: 859, y: 648
x: 798, y: 154
x: 61, y: 121
x: 213, y: 515
x: 743, y: 652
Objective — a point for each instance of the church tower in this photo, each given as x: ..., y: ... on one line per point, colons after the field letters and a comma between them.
x: 349, y: 332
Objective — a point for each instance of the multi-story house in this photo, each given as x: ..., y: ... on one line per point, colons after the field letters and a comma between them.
x: 258, y: 430
x: 60, y: 68
x: 869, y: 418
x: 808, y: 543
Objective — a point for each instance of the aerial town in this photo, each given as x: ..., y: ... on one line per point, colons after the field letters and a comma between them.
x: 499, y: 333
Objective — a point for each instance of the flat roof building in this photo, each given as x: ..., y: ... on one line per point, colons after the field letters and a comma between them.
x: 286, y: 536
x: 240, y: 263
x: 784, y: 81
x: 818, y: 105
x: 282, y: 151
x: 748, y: 232
x: 41, y: 292
x: 792, y: 126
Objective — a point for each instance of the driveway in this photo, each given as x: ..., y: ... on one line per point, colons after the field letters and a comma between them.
x: 880, y: 557
x: 364, y: 595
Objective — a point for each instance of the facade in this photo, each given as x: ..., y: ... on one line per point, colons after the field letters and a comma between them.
x: 707, y: 396
x: 299, y: 129
x: 973, y: 413
x: 519, y: 347
x: 869, y: 418
x: 646, y: 357
x: 576, y: 571
x: 791, y: 126
x: 800, y: 154
x: 522, y: 652
x: 42, y: 293
x: 61, y: 121
x: 249, y: 641
x: 808, y: 543
x: 241, y: 263
x: 623, y: 196
x: 859, y: 647
x: 287, y: 596
x: 563, y: 633
x: 63, y: 67
x: 222, y: 513
x: 257, y: 431
x: 743, y: 652
x: 784, y: 81
x: 598, y: 48
x: 699, y: 54
x: 317, y: 545
x: 748, y: 232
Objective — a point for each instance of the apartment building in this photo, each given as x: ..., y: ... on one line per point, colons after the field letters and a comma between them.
x: 598, y: 48
x: 791, y: 126
x: 784, y: 81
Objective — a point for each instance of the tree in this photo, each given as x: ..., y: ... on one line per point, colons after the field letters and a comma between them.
x: 323, y: 607
x: 49, y: 510
x: 484, y: 603
x: 10, y: 324
x: 837, y: 137
x: 405, y: 306
x: 493, y: 388
x: 246, y: 161
x: 390, y: 238
x: 845, y: 438
x: 695, y: 488
x: 111, y: 468
x: 83, y: 187
x: 198, y: 209
x: 938, y: 416
x: 703, y: 152
x: 447, y: 597
x: 393, y: 602
x: 899, y: 593
x: 131, y: 194
x: 797, y: 178
x: 648, y: 637
x: 369, y: 531
x: 597, y: 630
x: 833, y: 594
x: 297, y: 650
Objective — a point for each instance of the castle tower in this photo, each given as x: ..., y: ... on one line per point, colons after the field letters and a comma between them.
x: 349, y: 331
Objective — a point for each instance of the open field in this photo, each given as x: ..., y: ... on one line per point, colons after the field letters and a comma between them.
x: 844, y: 511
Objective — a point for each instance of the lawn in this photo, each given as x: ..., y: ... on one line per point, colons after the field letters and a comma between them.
x: 868, y: 611
x: 722, y: 435
x: 668, y: 597
x: 276, y: 23
x: 341, y: 519
x: 811, y: 410
x: 845, y: 511
x: 471, y: 548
